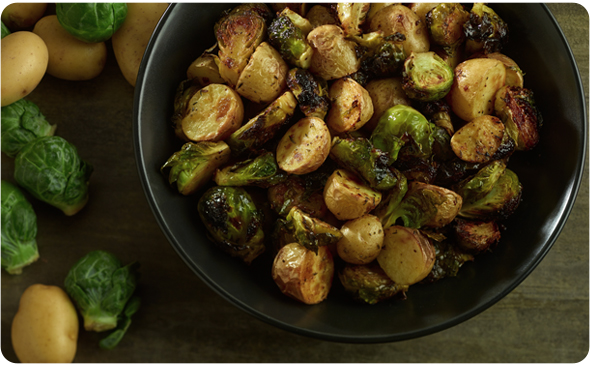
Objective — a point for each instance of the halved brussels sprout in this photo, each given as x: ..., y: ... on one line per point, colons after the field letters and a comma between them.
x: 184, y: 92
x: 445, y: 24
x: 486, y: 28
x: 233, y: 221
x: 261, y: 171
x: 310, y: 232
x: 516, y: 107
x: 311, y: 92
x: 383, y: 56
x: 475, y: 236
x: 427, y: 77
x: 288, y: 34
x: 369, y: 283
x: 352, y: 16
x: 297, y: 191
x: 449, y: 260
x: 481, y: 183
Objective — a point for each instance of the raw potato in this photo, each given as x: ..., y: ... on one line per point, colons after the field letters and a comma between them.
x: 384, y: 94
x: 348, y: 197
x: 351, y: 108
x: 130, y: 41
x: 407, y: 256
x: 334, y: 56
x: 45, y: 327
x: 70, y: 58
x: 304, y: 147
x: 24, y: 62
x: 216, y: 111
x: 479, y: 140
x: 20, y: 16
x: 400, y: 18
x: 265, y: 76
x: 302, y: 274
x: 362, y: 241
x: 474, y: 88
x: 206, y: 70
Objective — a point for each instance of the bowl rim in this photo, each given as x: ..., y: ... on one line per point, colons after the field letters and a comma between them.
x: 571, y: 198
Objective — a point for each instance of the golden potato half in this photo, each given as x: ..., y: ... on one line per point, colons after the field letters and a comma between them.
x: 348, y: 197
x: 352, y: 106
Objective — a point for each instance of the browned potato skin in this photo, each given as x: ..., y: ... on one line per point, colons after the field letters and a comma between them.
x: 407, y: 256
x: 400, y: 18
x: 476, y: 82
x: 304, y: 147
x: 514, y: 75
x: 21, y: 16
x: 479, y: 140
x: 348, y: 197
x: 265, y: 76
x: 476, y: 236
x: 375, y: 8
x: 362, y: 240
x: 205, y: 69
x: 334, y: 56
x: 216, y: 112
x: 303, y: 275
x: 320, y: 15
x: 422, y: 8
x: 384, y: 94
x: 351, y: 106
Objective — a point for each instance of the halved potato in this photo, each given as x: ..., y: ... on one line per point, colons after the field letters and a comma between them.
x: 362, y: 240
x: 351, y: 108
x: 480, y: 140
x: 348, y: 197
x: 265, y: 76
x: 206, y: 70
x: 216, y: 111
x: 303, y: 274
x: 384, y: 94
x: 304, y: 147
x: 320, y: 15
x: 407, y: 256
x: 334, y: 56
x: 400, y: 18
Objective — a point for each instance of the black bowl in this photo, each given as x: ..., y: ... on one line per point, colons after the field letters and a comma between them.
x: 550, y: 174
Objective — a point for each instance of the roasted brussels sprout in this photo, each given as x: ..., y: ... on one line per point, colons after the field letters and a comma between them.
x: 261, y: 171
x: 383, y: 56
x: 499, y: 203
x: 184, y: 93
x: 398, y: 124
x: 481, y: 183
x: 516, y: 107
x: 311, y: 92
x: 233, y: 221
x: 486, y: 28
x: 427, y: 77
x: 352, y: 16
x: 288, y: 34
x: 91, y: 22
x: 52, y: 171
x: 475, y: 236
x: 22, y: 121
x: 448, y: 261
x: 310, y: 232
x: 369, y: 283
x: 445, y: 24
x: 321, y: 14
x: 439, y: 113
x: 371, y: 164
x: 295, y: 191
x: 193, y: 166
x: 482, y: 140
x: 300, y: 8
x: 5, y: 30
x: 19, y: 230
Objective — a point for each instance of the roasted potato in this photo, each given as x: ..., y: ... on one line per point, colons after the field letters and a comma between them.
x: 384, y: 94
x: 216, y: 111
x: 205, y: 69
x: 320, y: 15
x: 362, y: 240
x: 407, y: 256
x: 400, y: 18
x: 476, y: 82
x: 304, y: 147
x: 302, y: 274
x: 351, y: 106
x: 300, y: 9
x: 514, y: 75
x: 482, y: 140
x: 421, y: 9
x: 375, y: 8
x: 334, y: 56
x: 349, y: 197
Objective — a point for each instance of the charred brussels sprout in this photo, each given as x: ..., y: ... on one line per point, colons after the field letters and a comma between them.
x: 233, y: 221
x: 516, y: 107
x: 369, y: 283
x: 383, y: 56
x: 52, y: 171
x: 311, y: 92
x: 22, y: 121
x: 184, y: 93
x: 288, y: 34
x: 499, y: 203
x: 486, y: 28
x: 262, y: 171
x: 311, y: 232
x: 299, y: 192
x: 19, y: 230
x: 194, y: 165
x: 445, y: 25
x: 427, y: 77
x: 449, y: 260
x: 480, y: 184
x: 475, y: 236
x: 91, y: 22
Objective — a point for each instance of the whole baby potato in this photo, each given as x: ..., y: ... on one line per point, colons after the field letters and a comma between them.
x: 362, y: 240
x: 129, y: 41
x: 45, y: 327
x: 69, y: 57
x: 24, y: 62
x: 20, y: 16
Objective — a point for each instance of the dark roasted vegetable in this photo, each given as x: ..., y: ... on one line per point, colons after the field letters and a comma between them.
x: 310, y: 232
x: 486, y: 28
x: 310, y: 91
x: 296, y: 192
x: 262, y: 171
x: 91, y: 22
x: 288, y: 34
x: 184, y: 93
x: 481, y: 183
x: 426, y: 76
x: 475, y: 236
x: 445, y: 25
x: 448, y: 261
x: 516, y: 107
x: 382, y: 56
x: 369, y: 283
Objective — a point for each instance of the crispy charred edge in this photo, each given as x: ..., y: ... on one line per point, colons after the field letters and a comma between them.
x: 309, y: 91
x: 449, y: 32
x: 369, y: 283
x: 489, y: 29
x: 524, y: 114
x: 449, y: 260
x: 475, y: 236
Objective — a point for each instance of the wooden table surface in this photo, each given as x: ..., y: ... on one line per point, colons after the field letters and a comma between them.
x: 545, y: 319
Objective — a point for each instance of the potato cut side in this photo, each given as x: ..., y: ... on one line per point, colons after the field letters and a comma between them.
x: 407, y: 256
x: 479, y: 140
x: 362, y: 240
x: 206, y: 70
x: 352, y: 106
x: 304, y: 147
x: 302, y: 274
x: 348, y: 197
x: 215, y: 112
x: 334, y: 56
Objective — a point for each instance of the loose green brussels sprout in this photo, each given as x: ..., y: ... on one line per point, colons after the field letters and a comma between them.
x: 310, y: 232
x: 101, y: 288
x: 449, y: 260
x: 193, y: 166
x: 52, y: 171
x: 91, y: 22
x: 22, y: 121
x: 262, y: 171
x: 485, y: 27
x: 288, y: 34
x: 399, y: 123
x: 233, y: 221
x: 427, y: 77
x: 5, y: 30
x: 479, y: 185
x: 445, y: 24
x: 369, y: 283
x: 310, y: 91
x: 19, y: 230
x: 499, y: 203
x: 371, y: 164
x: 516, y: 107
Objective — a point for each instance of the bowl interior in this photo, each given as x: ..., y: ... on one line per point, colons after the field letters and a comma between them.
x: 550, y: 175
